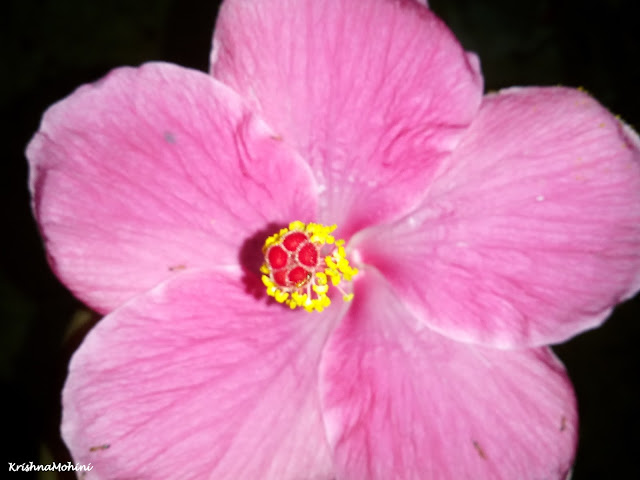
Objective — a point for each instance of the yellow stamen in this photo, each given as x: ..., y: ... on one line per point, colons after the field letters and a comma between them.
x: 305, y: 264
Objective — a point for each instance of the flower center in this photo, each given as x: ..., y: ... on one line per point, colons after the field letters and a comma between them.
x: 301, y: 261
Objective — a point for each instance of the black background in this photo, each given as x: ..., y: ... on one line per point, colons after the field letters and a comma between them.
x: 49, y: 47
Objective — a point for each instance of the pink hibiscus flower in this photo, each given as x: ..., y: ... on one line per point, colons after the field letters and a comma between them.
x: 483, y: 229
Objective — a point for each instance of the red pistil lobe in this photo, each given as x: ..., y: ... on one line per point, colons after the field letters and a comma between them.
x: 278, y: 258
x: 293, y: 261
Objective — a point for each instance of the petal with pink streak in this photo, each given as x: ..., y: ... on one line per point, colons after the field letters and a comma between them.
x: 531, y: 233
x: 401, y: 401
x: 372, y: 93
x: 196, y: 379
x: 152, y: 171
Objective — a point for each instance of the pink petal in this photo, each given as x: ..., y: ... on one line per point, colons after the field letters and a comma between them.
x: 195, y: 380
x: 373, y: 93
x: 531, y: 233
x: 403, y: 402
x: 152, y: 171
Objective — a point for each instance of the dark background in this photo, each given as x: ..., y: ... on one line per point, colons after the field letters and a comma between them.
x: 49, y: 47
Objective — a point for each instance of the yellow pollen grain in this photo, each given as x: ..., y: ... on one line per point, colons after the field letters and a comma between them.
x: 312, y: 295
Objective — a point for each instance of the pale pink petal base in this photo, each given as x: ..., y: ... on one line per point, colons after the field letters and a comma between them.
x: 372, y: 93
x: 152, y: 171
x: 403, y: 402
x: 531, y: 234
x: 197, y: 380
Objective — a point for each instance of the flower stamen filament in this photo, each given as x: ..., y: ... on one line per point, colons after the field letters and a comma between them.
x: 302, y: 262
